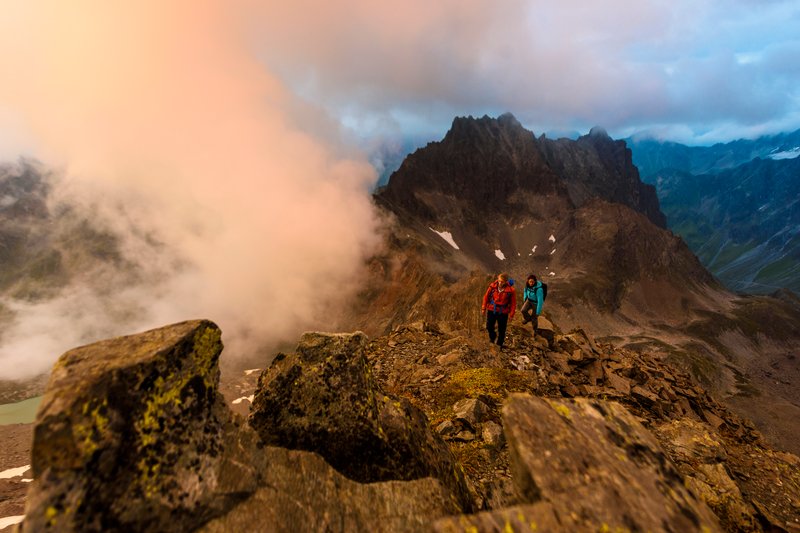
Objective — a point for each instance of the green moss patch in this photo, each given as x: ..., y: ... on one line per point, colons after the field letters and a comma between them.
x: 490, y: 384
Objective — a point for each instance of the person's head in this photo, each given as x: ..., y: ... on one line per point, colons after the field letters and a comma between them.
x: 531, y: 280
x: 502, y: 279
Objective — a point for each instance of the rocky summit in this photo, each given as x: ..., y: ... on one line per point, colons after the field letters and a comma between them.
x: 416, y: 430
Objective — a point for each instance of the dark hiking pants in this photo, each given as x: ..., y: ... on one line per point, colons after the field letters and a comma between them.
x: 501, y: 319
x: 529, y: 312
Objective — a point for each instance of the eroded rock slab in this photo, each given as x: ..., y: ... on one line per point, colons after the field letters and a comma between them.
x: 596, y: 466
x: 324, y: 399
x: 301, y: 492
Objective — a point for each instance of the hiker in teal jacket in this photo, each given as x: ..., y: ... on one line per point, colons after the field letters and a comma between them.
x: 532, y: 298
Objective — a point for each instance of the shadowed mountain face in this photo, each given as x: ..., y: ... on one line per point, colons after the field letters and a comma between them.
x: 495, y: 167
x: 491, y: 197
x: 735, y: 204
x: 596, y: 166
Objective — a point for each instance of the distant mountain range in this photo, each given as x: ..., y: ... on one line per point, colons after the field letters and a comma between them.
x: 735, y: 204
x: 651, y: 156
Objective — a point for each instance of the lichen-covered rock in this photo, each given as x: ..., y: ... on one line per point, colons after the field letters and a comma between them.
x: 301, y: 492
x: 132, y: 435
x: 597, y: 468
x: 323, y: 398
x: 699, y: 451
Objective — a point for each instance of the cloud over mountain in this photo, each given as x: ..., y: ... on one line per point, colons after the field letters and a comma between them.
x: 710, y: 72
x: 166, y: 127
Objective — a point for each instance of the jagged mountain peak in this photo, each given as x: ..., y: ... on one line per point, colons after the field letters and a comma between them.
x: 487, y: 164
x: 479, y: 167
x: 506, y: 122
x: 485, y: 134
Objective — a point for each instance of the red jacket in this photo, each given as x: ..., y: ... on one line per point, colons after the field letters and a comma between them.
x: 504, y: 301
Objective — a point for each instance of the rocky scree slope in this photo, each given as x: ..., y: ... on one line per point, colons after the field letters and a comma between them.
x: 412, y: 431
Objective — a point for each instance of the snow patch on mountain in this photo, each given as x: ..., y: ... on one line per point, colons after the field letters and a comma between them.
x: 14, y: 472
x: 11, y: 520
x: 786, y: 154
x: 243, y: 398
x: 500, y: 255
x: 447, y: 236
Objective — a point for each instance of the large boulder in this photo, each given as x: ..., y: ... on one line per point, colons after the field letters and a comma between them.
x: 323, y: 398
x: 133, y: 435
x: 585, y: 465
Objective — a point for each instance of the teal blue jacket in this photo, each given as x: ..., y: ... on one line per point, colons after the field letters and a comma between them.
x: 534, y: 294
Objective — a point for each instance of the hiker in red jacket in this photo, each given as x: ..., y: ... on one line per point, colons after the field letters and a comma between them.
x: 499, y: 304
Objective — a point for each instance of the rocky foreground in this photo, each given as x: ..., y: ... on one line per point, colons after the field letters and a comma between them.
x: 418, y: 430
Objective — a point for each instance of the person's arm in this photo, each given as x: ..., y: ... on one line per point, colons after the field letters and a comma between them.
x: 513, y: 303
x: 485, y: 301
x: 539, y: 301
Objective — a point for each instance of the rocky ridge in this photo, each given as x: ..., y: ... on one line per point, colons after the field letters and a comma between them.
x: 508, y: 438
x: 612, y: 270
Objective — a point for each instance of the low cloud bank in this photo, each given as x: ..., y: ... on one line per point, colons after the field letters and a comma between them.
x: 232, y: 200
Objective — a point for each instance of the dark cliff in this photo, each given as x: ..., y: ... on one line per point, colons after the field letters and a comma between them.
x: 597, y: 166
x: 491, y: 164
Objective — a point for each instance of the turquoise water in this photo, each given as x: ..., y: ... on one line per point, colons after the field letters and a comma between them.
x: 22, y: 412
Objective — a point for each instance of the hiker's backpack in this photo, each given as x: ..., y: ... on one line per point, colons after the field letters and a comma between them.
x: 544, y: 291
